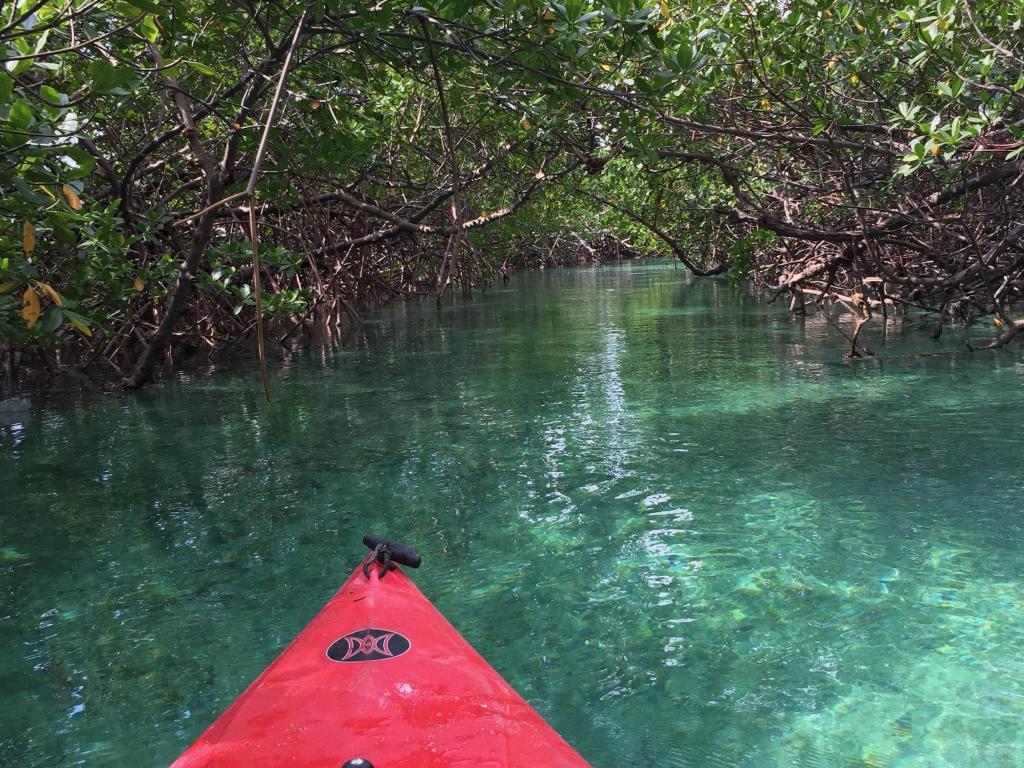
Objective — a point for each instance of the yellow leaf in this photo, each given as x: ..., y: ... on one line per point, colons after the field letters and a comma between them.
x: 48, y: 290
x: 606, y: 67
x: 71, y: 197
x: 139, y: 285
x: 30, y: 307
x: 665, y: 9
x: 549, y: 15
x: 859, y: 26
x: 46, y: 189
x: 942, y: 24
x: 28, y: 238
x: 6, y: 286
x: 82, y: 329
x: 935, y: 149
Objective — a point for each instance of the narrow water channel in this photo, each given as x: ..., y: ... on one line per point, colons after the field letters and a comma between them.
x: 668, y: 514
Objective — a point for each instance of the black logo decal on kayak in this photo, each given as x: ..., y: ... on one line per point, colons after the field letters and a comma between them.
x: 368, y: 645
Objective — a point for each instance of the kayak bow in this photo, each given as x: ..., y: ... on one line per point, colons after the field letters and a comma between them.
x: 379, y: 678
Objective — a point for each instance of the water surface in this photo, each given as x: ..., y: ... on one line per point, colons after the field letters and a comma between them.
x: 669, y: 514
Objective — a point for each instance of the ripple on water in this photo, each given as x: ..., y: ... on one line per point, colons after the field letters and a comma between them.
x: 670, y: 516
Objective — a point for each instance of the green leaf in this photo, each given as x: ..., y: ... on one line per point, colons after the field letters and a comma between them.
x: 53, y: 98
x: 20, y: 116
x: 26, y: 194
x: 198, y: 66
x: 146, y: 5
x: 61, y: 231
x: 41, y: 42
x: 51, y: 320
x: 103, y: 75
x: 78, y: 322
x: 148, y: 29
x: 78, y: 163
x: 6, y: 87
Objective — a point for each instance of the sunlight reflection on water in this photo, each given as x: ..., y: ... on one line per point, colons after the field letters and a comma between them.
x: 668, y: 514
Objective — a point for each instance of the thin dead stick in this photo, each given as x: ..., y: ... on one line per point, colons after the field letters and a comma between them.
x: 257, y: 290
x: 249, y: 193
x: 208, y: 209
x: 451, y: 251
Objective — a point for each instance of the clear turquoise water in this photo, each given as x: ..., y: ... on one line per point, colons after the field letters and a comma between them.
x: 668, y: 514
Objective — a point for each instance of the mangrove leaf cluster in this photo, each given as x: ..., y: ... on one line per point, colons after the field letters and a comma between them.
x: 863, y: 159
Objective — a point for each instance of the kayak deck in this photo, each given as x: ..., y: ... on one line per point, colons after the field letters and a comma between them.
x: 379, y: 674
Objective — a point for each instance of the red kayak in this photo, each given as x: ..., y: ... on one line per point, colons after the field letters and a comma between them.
x: 379, y: 679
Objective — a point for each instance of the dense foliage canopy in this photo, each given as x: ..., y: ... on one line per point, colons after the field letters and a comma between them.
x: 865, y: 158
